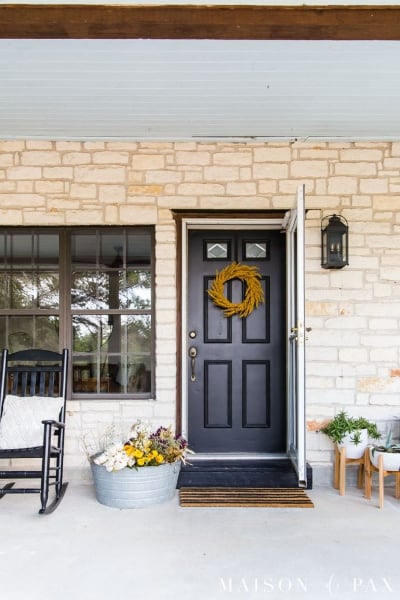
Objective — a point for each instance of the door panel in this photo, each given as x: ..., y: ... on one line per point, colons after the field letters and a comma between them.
x: 236, y: 395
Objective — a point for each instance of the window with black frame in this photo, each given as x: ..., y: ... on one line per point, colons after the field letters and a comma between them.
x: 87, y: 289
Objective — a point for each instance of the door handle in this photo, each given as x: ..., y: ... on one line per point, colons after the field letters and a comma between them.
x: 193, y: 354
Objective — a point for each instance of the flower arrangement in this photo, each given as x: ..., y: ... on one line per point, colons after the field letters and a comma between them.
x: 143, y: 448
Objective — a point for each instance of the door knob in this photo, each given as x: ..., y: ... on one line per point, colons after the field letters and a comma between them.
x: 193, y: 354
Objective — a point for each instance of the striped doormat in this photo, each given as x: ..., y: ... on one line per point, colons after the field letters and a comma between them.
x: 193, y: 497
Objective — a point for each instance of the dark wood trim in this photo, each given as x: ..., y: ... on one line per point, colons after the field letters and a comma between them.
x: 26, y: 21
x: 180, y: 214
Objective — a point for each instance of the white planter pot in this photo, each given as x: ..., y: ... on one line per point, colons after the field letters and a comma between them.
x: 391, y: 460
x: 355, y: 450
x: 135, y: 488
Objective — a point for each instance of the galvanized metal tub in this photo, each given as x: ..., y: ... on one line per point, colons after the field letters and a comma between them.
x: 135, y: 488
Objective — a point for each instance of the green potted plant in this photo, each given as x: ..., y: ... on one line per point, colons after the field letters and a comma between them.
x: 390, y: 453
x: 353, y: 432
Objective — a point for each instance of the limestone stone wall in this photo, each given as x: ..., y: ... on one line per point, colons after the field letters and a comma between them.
x: 353, y: 357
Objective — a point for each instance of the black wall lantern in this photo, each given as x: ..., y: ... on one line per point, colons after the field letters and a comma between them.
x: 334, y: 242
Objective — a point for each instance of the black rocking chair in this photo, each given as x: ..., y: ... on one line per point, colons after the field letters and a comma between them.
x: 34, y: 384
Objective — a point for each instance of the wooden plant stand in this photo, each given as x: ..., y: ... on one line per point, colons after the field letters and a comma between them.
x: 370, y: 469
x: 339, y: 474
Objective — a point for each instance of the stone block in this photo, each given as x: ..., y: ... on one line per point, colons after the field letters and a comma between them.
x: 58, y: 173
x: 374, y: 186
x: 163, y: 176
x: 268, y: 154
x: 361, y: 155
x: 232, y: 158
x: 99, y: 174
x: 22, y: 200
x: 197, y: 158
x: 309, y: 168
x: 388, y: 203
x: 145, y: 190
x: 112, y: 194
x: 221, y: 174
x: 145, y: 162
x: 77, y: 217
x: 241, y: 189
x: 83, y: 191
x: 11, y: 217
x: 355, y: 168
x: 380, y: 324
x: 201, y: 189
x: 342, y: 185
x: 384, y: 355
x: 346, y: 322
x: 147, y: 215
x: 62, y: 146
x: 40, y: 158
x: 270, y: 171
x: 6, y: 160
x: 49, y: 187
x: 42, y: 217
x: 109, y: 157
x: 76, y: 158
x: 12, y: 145
x: 24, y: 172
x: 351, y: 355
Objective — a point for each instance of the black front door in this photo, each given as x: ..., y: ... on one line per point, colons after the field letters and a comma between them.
x: 236, y: 366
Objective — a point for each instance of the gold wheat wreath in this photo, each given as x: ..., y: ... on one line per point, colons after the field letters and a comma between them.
x: 253, y: 296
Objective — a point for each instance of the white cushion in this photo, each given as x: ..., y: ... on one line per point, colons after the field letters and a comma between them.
x: 21, y: 423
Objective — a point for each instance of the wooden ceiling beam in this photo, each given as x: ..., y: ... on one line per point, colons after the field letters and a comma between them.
x: 28, y: 21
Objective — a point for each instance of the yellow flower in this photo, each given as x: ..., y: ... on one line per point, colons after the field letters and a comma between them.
x: 137, y: 453
x: 159, y: 458
x: 140, y: 462
x: 129, y: 450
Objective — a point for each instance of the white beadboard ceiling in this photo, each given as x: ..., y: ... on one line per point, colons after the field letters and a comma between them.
x: 201, y: 89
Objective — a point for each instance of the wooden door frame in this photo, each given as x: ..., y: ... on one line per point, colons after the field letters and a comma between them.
x: 207, y: 220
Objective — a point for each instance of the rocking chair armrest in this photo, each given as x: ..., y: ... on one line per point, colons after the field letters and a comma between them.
x: 56, y: 424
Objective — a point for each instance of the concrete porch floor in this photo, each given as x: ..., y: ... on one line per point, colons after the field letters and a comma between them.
x: 345, y: 548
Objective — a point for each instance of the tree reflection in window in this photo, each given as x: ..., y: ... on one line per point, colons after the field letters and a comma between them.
x: 113, y: 343
x: 103, y: 312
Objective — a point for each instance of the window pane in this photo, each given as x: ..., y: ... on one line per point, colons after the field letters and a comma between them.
x: 137, y: 291
x: 48, y: 252
x: 139, y: 374
x: 90, y: 290
x: 84, y: 249
x: 91, y: 332
x: 112, y: 250
x: 139, y: 248
x: 24, y: 332
x: 27, y: 249
x: 29, y: 271
x: 47, y: 290
x: 256, y: 249
x: 102, y: 291
x: 29, y: 289
x: 123, y: 363
x: 138, y: 330
x: 217, y: 250
x: 19, y: 250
